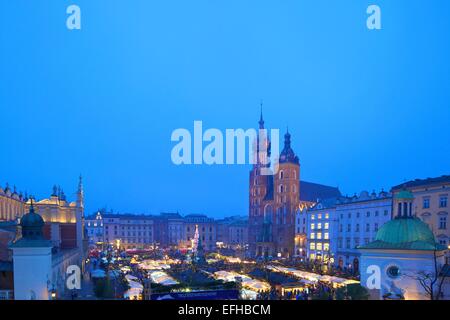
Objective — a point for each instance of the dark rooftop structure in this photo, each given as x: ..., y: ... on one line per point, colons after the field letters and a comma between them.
x: 423, y: 182
x: 311, y: 192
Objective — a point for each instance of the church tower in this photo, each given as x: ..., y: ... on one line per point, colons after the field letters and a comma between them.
x: 403, y: 204
x: 79, y: 212
x: 286, y: 187
x: 258, y: 185
x: 80, y: 193
x: 273, y: 200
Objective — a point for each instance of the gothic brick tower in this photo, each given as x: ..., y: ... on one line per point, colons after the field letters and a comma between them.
x: 286, y: 197
x: 258, y: 189
x: 273, y: 201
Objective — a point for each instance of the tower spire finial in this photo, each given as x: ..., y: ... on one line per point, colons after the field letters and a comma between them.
x: 261, y: 119
x: 31, y: 205
x: 80, y: 192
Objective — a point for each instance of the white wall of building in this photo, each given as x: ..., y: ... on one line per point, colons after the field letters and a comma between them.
x: 409, y: 263
x: 32, y: 273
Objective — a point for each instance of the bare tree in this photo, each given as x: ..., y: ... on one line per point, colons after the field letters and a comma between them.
x: 432, y: 281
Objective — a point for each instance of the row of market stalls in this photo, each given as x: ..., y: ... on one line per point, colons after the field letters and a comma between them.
x: 154, y: 269
x: 228, y: 259
x: 151, y: 264
x: 136, y: 288
x: 250, y: 287
x: 309, y: 278
x: 161, y: 278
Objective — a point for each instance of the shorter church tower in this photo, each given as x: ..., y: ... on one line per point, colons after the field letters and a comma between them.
x: 403, y: 204
x: 286, y: 187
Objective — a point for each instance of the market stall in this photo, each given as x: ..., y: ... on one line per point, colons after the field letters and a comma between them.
x: 162, y: 278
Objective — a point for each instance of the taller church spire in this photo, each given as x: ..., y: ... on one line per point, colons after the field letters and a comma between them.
x: 261, y: 120
x: 80, y: 193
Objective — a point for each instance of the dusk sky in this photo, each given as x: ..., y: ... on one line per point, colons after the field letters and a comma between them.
x: 366, y: 109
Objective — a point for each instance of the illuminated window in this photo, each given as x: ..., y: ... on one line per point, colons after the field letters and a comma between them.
x: 326, y: 247
x: 319, y: 226
x: 313, y: 226
x: 312, y: 246
x: 312, y: 217
x: 327, y: 226
x: 319, y: 216
x: 313, y: 236
x: 326, y: 236
x: 319, y: 246
x: 319, y: 235
x: 327, y: 216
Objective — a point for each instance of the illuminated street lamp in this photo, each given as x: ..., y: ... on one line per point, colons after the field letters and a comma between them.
x: 53, y: 294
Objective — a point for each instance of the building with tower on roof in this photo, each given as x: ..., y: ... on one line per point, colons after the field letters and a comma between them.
x: 46, y: 279
x: 275, y: 199
x: 61, y: 223
x: 12, y: 203
x: 431, y: 205
x: 404, y: 259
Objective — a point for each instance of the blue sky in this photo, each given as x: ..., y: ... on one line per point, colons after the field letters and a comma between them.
x: 366, y: 109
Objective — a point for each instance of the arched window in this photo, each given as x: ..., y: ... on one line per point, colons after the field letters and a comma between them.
x: 281, y: 188
x: 281, y: 174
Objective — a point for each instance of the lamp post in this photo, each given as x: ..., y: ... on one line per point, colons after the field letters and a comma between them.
x: 53, y: 294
